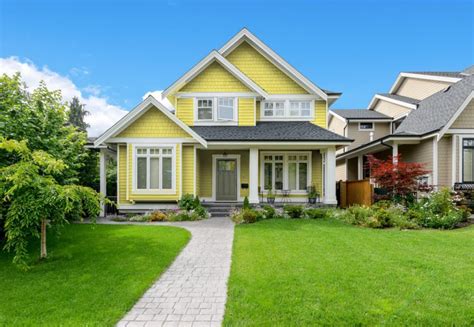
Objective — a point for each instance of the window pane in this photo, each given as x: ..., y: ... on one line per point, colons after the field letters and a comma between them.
x: 268, y: 113
x: 225, y: 109
x: 167, y: 173
x: 154, y: 173
x: 268, y: 176
x: 294, y: 112
x: 279, y: 176
x: 292, y: 176
x: 204, y: 113
x: 366, y: 126
x: 468, y: 165
x: 141, y: 173
x: 305, y: 113
x: 303, y: 175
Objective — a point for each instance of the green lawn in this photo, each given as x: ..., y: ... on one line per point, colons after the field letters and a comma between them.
x: 93, y: 276
x: 323, y: 272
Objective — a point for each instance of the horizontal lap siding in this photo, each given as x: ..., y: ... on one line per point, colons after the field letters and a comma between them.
x: 466, y: 118
x: 390, y: 109
x: 422, y: 153
x: 316, y: 171
x: 444, y: 161
x: 185, y: 110
x: 188, y: 169
x: 246, y: 111
x: 122, y: 174
x: 420, y: 89
x: 262, y: 71
x: 320, y: 114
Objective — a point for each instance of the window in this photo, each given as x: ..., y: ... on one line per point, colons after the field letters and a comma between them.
x: 287, y: 109
x: 154, y: 168
x: 225, y: 109
x: 468, y: 160
x: 216, y: 109
x: 366, y: 126
x: 286, y: 171
x: 205, y: 109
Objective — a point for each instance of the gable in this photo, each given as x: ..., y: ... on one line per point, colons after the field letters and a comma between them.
x: 466, y: 118
x: 215, y: 78
x: 153, y: 123
x: 390, y: 109
x: 420, y: 89
x: 259, y: 69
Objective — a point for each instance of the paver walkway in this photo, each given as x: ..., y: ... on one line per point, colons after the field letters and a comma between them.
x: 193, y: 291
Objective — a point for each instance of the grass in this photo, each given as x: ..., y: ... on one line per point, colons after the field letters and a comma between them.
x: 324, y: 272
x: 93, y: 276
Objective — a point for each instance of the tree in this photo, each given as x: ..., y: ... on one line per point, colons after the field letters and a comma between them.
x: 32, y: 198
x: 398, y: 178
x: 77, y: 113
x: 41, y: 118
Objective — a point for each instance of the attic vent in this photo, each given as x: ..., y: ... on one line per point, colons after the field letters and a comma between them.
x: 447, y: 89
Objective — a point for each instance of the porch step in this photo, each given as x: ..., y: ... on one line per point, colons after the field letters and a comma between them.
x: 221, y: 209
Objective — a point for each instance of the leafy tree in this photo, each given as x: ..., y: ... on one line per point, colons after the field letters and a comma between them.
x: 31, y: 198
x: 77, y: 113
x: 41, y: 118
x: 398, y: 178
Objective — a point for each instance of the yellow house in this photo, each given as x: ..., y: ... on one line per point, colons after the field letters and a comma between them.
x: 243, y: 122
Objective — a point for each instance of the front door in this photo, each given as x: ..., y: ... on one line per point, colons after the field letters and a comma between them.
x: 226, y: 180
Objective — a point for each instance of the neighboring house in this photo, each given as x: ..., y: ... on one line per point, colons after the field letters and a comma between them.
x: 241, y: 121
x: 426, y: 117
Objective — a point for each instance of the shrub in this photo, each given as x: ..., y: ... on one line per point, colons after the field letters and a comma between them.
x: 294, y: 211
x: 140, y: 218
x: 236, y: 216
x: 201, y: 212
x: 358, y: 215
x: 249, y: 216
x: 119, y: 219
x: 315, y: 213
x: 439, y: 211
x: 269, y: 211
x: 158, y: 216
x: 246, y: 204
x: 188, y: 202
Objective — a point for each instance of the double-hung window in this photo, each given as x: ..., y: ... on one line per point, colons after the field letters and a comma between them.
x: 468, y: 160
x: 216, y: 109
x: 287, y: 109
x: 154, y: 168
x: 300, y: 108
x: 274, y: 109
x: 286, y: 171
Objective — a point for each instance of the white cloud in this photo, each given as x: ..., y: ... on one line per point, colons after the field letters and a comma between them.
x: 158, y: 96
x: 102, y: 114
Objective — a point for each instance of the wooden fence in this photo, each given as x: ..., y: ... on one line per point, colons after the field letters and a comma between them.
x: 355, y: 192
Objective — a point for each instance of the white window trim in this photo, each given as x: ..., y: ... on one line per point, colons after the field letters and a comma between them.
x: 214, y: 178
x: 215, y: 120
x: 134, y: 172
x: 285, y: 155
x: 286, y: 116
x: 367, y: 129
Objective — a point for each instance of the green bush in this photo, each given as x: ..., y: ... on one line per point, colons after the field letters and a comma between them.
x: 140, y: 218
x: 315, y: 213
x: 188, y: 202
x: 246, y: 204
x: 249, y: 216
x: 439, y: 211
x: 269, y: 211
x: 294, y: 211
x: 236, y: 216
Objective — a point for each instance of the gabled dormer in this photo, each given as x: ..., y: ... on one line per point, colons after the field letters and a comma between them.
x: 243, y: 83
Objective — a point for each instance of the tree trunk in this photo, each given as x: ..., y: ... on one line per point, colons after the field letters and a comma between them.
x: 44, y: 253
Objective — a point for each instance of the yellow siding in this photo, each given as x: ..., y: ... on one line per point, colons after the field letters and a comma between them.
x: 257, y: 109
x: 188, y: 169
x: 246, y: 111
x: 122, y: 175
x: 198, y: 175
x: 320, y: 114
x: 154, y: 197
x: 316, y: 171
x: 185, y: 110
x: 262, y: 71
x: 215, y: 78
x: 153, y: 123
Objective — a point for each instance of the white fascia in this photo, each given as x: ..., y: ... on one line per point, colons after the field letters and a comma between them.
x: 378, y: 97
x: 402, y: 76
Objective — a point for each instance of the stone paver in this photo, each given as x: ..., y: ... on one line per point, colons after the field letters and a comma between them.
x: 193, y: 291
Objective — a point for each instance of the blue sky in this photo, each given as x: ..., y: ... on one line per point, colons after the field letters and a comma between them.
x: 122, y: 49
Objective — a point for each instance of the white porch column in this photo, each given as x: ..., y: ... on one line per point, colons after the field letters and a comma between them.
x: 394, y: 152
x: 330, y: 180
x: 360, y: 167
x: 103, y: 178
x: 253, y: 175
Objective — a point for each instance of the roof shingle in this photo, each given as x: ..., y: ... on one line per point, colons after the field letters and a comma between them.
x: 359, y: 114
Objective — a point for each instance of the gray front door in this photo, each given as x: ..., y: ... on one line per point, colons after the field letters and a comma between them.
x: 226, y: 180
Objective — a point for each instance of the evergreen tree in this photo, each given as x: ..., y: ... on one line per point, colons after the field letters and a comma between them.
x: 77, y: 113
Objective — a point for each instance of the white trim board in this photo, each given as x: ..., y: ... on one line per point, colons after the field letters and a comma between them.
x: 267, y: 52
x: 378, y: 97
x: 137, y: 112
x: 212, y: 57
x: 437, y: 78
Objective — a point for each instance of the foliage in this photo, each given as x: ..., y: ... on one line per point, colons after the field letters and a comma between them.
x: 398, y: 178
x: 269, y: 211
x: 158, y: 215
x: 294, y: 211
x: 246, y: 204
x: 184, y: 215
x: 315, y: 213
x: 191, y: 207
x: 40, y: 118
x: 77, y: 113
x: 140, y: 218
x: 29, y: 195
x: 313, y: 192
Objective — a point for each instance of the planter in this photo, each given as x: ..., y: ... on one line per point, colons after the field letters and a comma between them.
x: 271, y: 200
x: 312, y: 200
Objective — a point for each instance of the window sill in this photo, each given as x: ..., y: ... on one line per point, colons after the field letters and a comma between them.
x: 215, y: 123
x: 154, y: 192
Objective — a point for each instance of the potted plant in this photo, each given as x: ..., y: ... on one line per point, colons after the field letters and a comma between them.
x: 270, y: 195
x: 313, y: 195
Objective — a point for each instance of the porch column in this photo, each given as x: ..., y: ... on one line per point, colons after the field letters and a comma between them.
x: 253, y: 175
x: 330, y: 180
x: 394, y: 152
x: 103, y: 178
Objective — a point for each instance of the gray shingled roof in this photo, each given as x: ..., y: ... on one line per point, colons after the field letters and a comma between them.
x: 435, y: 111
x: 360, y: 114
x: 445, y: 74
x: 268, y: 131
x: 400, y: 98
x: 328, y: 92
